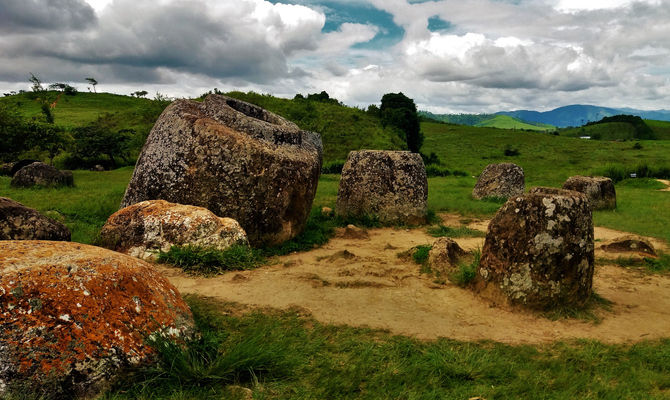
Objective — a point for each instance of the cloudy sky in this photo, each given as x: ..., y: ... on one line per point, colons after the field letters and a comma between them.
x: 449, y: 55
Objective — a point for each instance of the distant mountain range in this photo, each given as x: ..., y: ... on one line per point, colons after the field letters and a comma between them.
x: 572, y: 115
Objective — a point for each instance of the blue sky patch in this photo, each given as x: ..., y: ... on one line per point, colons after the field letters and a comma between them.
x: 436, y: 24
x: 338, y: 12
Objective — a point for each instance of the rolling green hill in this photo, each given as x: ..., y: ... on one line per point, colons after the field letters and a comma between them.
x: 342, y: 128
x: 507, y: 122
x: 660, y: 128
x: 83, y: 108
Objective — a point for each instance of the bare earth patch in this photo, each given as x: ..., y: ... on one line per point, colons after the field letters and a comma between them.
x: 362, y: 282
x: 666, y: 183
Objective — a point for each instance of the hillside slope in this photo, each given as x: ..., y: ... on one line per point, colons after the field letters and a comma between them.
x: 507, y: 122
x: 342, y: 128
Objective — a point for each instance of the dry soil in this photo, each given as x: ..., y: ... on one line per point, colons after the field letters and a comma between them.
x: 363, y: 282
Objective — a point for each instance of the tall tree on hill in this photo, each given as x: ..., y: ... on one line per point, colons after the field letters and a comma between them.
x: 93, y: 82
x: 399, y: 111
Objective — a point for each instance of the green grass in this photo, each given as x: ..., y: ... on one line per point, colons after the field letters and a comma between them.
x: 204, y: 260
x: 660, y: 264
x: 660, y: 128
x: 588, y: 312
x: 604, y: 131
x: 458, y: 232
x: 507, y: 122
x: 286, y: 355
x: 466, y: 272
x: 84, y: 207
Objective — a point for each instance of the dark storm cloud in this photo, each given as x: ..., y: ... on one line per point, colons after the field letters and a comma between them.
x: 134, y: 39
x: 35, y: 15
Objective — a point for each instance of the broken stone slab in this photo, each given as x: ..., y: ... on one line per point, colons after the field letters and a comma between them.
x: 630, y: 244
x: 444, y: 255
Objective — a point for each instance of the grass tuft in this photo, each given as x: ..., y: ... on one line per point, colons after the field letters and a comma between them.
x: 588, y: 312
x: 448, y: 231
x: 212, y: 261
x: 655, y: 265
x: 466, y: 273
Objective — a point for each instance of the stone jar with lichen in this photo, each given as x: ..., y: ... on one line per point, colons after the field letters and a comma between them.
x: 539, y: 251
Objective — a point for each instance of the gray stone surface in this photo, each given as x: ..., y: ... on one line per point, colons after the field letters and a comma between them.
x: 236, y: 159
x: 598, y: 189
x: 500, y: 180
x: 390, y: 185
x: 18, y: 222
x: 41, y: 174
x: 539, y: 252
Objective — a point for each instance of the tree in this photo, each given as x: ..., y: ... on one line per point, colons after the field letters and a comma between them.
x: 140, y: 93
x: 93, y: 82
x: 399, y: 111
x: 37, y: 83
x: 12, y: 134
x: 99, y: 138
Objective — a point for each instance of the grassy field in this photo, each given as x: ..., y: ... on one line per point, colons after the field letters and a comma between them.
x: 289, y: 355
x: 507, y: 122
x: 545, y: 158
x: 660, y: 128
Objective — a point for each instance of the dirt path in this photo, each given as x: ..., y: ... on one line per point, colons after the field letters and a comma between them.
x: 368, y: 285
x: 666, y: 183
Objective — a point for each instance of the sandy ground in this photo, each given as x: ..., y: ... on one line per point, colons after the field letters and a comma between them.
x: 362, y: 282
x: 666, y: 183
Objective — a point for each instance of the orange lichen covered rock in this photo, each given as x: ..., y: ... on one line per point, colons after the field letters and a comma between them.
x: 144, y: 228
x: 77, y: 315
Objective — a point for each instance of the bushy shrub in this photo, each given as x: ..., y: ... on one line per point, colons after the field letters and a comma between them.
x: 434, y: 170
x: 332, y: 167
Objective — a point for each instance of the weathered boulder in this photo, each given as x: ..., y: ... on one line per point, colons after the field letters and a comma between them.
x: 390, y: 185
x: 234, y: 158
x: 629, y: 244
x: 20, y: 164
x: 6, y: 169
x: 75, y: 317
x: 598, y: 189
x: 144, y: 228
x: 539, y: 252
x: 39, y: 173
x: 444, y: 255
x: 500, y: 180
x: 18, y: 222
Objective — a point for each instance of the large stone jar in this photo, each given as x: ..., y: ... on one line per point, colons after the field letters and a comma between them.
x: 538, y: 251
x: 389, y: 185
x: 234, y: 158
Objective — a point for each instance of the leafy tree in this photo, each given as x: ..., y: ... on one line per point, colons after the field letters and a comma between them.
x: 140, y: 93
x: 93, y: 82
x: 100, y: 138
x: 46, y: 137
x: 12, y: 133
x: 399, y: 111
x: 37, y: 83
x: 42, y: 97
